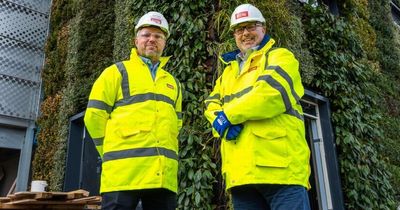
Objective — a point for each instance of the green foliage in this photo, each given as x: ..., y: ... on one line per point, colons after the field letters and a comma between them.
x: 389, y: 51
x: 123, y: 29
x: 391, y: 120
x: 388, y: 45
x: 56, y: 47
x: 396, y: 179
x: 371, y: 20
x: 297, y: 42
x: 42, y: 165
x: 53, y: 79
x: 345, y: 81
x: 188, y: 23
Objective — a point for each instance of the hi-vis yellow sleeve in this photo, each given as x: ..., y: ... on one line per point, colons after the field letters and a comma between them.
x: 101, y: 101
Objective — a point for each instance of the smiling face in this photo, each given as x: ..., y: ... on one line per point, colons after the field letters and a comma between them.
x: 248, y: 35
x: 150, y: 42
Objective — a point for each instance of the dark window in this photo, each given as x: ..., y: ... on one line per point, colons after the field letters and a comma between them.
x: 326, y: 192
x: 395, y: 12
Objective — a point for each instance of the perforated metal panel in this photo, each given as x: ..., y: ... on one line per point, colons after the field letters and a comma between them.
x: 23, y: 32
x: 41, y: 6
x: 20, y: 60
x: 23, y: 24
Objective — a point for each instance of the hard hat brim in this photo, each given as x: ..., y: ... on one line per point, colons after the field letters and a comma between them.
x: 151, y: 25
x: 232, y: 27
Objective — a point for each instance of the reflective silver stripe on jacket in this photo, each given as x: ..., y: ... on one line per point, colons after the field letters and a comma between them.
x: 295, y: 113
x: 210, y: 99
x: 288, y: 79
x: 144, y: 97
x: 140, y: 152
x: 125, y: 80
x: 239, y: 94
x: 216, y: 96
x: 99, y: 105
x: 128, y: 99
x: 275, y: 84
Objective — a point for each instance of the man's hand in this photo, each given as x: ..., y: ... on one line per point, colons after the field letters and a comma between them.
x: 221, y: 123
x: 233, y: 132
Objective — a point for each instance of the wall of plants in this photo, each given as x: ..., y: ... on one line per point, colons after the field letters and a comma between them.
x: 351, y: 58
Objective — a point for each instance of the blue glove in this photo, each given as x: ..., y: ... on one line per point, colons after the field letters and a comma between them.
x: 233, y: 132
x: 221, y: 123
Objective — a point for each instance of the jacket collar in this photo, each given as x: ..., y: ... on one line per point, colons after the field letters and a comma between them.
x: 231, y: 56
x: 134, y: 56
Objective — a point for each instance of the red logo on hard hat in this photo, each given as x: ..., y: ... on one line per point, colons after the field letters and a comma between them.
x: 156, y: 20
x: 242, y: 14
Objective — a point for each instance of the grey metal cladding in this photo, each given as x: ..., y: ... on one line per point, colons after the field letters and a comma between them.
x: 22, y: 24
x: 23, y: 32
x: 18, y: 97
x: 20, y: 60
x: 42, y: 6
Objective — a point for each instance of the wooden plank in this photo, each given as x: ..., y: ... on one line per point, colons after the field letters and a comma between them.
x: 80, y: 191
x: 31, y: 195
x: 59, y: 195
x: 11, y: 206
x: 22, y: 195
x: 43, y: 195
x: 92, y: 199
x: 22, y: 201
x: 93, y: 207
x: 42, y: 206
x: 42, y: 202
x: 27, y: 200
x: 4, y: 199
x: 77, y: 194
x: 50, y: 195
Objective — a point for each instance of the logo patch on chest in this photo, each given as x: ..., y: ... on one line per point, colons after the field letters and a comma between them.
x: 170, y: 86
x: 252, y: 68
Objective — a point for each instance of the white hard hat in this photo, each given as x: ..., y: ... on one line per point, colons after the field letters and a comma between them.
x: 246, y: 13
x: 153, y: 19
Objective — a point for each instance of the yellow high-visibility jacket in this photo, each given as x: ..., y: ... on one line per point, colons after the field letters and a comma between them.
x: 263, y: 97
x: 134, y: 122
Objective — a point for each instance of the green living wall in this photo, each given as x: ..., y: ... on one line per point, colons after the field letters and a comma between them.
x: 352, y: 59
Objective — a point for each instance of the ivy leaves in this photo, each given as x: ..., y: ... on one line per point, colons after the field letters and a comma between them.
x: 346, y: 80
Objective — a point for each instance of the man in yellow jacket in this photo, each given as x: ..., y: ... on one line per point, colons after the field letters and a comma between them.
x: 134, y: 117
x: 255, y: 109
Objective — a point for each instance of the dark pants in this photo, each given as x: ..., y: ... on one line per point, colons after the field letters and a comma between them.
x: 270, y: 197
x: 152, y: 199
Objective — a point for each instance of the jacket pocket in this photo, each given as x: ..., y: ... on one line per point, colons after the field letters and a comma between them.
x: 128, y: 131
x: 271, y: 149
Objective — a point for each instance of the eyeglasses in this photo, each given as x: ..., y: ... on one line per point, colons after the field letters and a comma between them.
x: 156, y: 36
x: 249, y: 27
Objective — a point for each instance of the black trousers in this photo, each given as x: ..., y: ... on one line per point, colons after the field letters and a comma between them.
x: 152, y: 199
